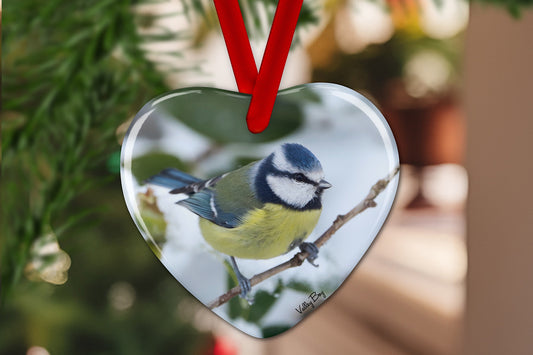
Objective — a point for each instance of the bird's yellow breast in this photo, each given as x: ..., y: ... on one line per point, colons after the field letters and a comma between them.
x: 265, y: 233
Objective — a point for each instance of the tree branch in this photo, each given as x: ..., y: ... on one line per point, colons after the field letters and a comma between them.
x: 298, y: 258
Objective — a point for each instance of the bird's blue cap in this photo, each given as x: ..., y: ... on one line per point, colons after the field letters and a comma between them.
x: 300, y: 157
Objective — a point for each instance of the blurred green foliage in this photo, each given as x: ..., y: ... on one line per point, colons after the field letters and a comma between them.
x: 218, y: 115
x: 73, y: 71
x: 263, y: 302
x: 147, y: 165
x: 118, y: 299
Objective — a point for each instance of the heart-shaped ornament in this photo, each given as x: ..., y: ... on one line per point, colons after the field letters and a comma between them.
x: 323, y: 153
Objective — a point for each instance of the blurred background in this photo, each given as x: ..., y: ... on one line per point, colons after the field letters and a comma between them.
x: 444, y: 276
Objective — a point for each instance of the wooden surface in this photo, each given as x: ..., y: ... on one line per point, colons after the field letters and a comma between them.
x: 499, y: 107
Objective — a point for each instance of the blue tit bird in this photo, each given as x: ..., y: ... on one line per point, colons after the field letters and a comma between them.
x: 259, y: 211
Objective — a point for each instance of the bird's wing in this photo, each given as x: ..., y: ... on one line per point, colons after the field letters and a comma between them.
x: 223, y: 200
x: 203, y: 203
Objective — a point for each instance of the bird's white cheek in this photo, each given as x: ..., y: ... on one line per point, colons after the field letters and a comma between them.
x: 293, y: 193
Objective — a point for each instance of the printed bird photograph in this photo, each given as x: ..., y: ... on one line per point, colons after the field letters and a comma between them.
x: 260, y: 211
x: 221, y: 207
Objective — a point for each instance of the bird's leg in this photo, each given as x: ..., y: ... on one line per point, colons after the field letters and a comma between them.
x: 244, y: 282
x: 312, y: 250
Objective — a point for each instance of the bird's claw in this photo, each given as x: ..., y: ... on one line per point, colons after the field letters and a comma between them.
x: 312, y: 250
x: 246, y: 287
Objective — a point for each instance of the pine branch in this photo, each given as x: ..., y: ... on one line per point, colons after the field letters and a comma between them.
x: 71, y: 81
x: 299, y: 258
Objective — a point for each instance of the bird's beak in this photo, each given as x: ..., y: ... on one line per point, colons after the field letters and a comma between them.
x: 323, y: 184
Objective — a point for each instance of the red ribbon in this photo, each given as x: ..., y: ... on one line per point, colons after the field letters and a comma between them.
x: 263, y: 85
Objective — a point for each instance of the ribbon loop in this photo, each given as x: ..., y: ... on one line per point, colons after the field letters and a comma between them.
x: 263, y: 85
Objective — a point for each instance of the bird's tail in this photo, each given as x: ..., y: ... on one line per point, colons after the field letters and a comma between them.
x: 172, y: 179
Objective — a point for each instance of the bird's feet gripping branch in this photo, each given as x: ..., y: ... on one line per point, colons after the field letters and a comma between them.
x: 312, y: 250
x: 244, y: 282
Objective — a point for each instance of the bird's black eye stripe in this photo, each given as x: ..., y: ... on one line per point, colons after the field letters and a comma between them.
x: 302, y: 178
x: 294, y: 176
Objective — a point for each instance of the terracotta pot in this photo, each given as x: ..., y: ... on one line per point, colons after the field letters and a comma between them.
x: 428, y: 134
